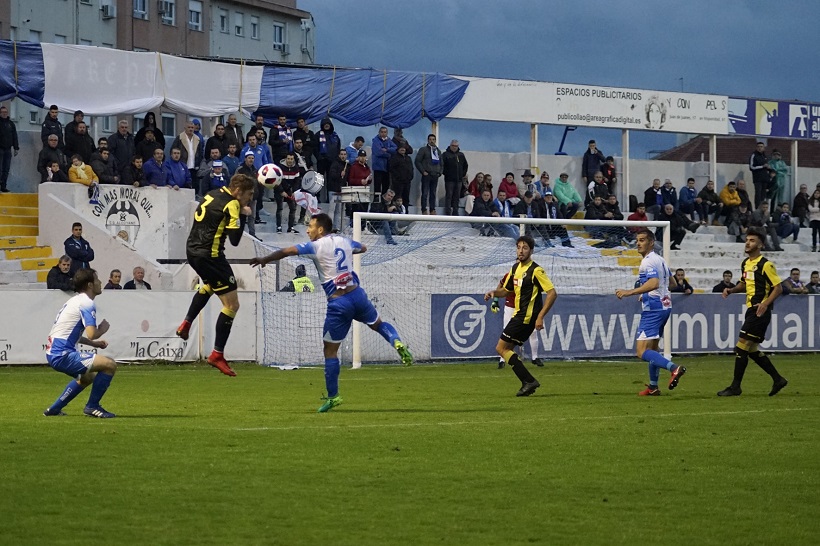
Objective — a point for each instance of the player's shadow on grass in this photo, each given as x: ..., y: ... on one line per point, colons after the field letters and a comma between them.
x: 419, y: 410
x: 156, y: 416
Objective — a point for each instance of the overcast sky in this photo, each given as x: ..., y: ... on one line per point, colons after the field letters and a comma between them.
x: 743, y: 48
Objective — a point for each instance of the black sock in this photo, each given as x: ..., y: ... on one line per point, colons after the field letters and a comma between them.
x: 741, y: 361
x: 766, y: 364
x: 197, y: 305
x: 520, y: 370
x: 223, y: 330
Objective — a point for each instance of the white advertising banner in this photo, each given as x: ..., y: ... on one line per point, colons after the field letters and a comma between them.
x: 593, y: 106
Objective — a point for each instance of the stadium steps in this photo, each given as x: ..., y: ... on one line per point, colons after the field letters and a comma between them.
x: 23, y: 263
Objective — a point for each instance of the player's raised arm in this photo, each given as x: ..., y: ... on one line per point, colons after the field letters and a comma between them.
x: 274, y: 256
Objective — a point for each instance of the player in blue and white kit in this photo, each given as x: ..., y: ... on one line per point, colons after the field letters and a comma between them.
x: 346, y: 299
x: 656, y: 307
x: 77, y: 322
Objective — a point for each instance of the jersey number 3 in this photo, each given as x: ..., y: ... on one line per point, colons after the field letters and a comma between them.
x: 200, y: 210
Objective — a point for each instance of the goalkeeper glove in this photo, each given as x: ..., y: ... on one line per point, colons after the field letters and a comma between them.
x: 494, y: 306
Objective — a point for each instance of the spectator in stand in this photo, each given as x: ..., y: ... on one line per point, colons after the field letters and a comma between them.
x: 134, y: 175
x: 474, y: 189
x: 49, y: 154
x: 216, y: 176
x: 56, y: 174
x: 248, y: 169
x: 428, y: 163
x: 793, y: 284
x: 731, y: 201
x: 669, y: 194
x: 179, y: 175
x: 146, y: 147
x: 744, y: 195
x: 200, y: 151
x: 726, y: 283
x: 114, y: 279
x: 505, y: 208
x: 613, y: 212
x: 653, y: 198
x: 233, y: 133
x: 759, y: 165
x: 398, y: 138
x: 569, y: 200
x: 525, y: 184
x: 218, y: 141
x: 78, y: 141
x: 678, y: 224
x: 485, y: 207
x: 687, y: 198
x: 303, y: 159
x: 188, y: 143
x: 801, y: 205
x: 679, y: 284
x: 814, y: 284
x: 78, y: 249
x: 149, y: 123
x: 8, y: 140
x: 231, y: 160
x: 138, y: 282
x: 778, y: 171
x: 596, y: 211
x: 122, y: 147
x: 259, y: 124
x: 542, y: 185
x: 507, y: 185
x: 740, y: 223
x: 388, y: 229
x: 326, y: 145
x: 401, y: 171
x: 71, y: 128
x: 102, y: 143
x: 597, y: 187
x: 81, y: 173
x: 303, y: 133
x: 103, y: 167
x: 546, y: 207
x: 353, y: 149
x: 710, y: 203
x: 638, y: 216
x: 591, y: 162
x: 59, y: 277
x: 814, y: 218
x: 52, y: 126
x: 261, y: 154
x: 280, y: 140
x: 382, y: 149
x: 336, y: 178
x: 762, y: 218
x: 155, y: 170
x: 785, y: 225
x: 206, y: 167
x: 610, y: 173
x: 291, y: 181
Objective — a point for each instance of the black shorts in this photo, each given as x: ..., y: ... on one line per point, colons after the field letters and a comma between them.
x: 516, y: 332
x: 754, y: 327
x: 215, y: 272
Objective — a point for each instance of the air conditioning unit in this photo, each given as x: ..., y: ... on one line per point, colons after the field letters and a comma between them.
x: 108, y: 11
x: 285, y: 49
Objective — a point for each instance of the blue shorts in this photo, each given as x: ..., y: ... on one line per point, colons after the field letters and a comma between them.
x: 652, y: 323
x: 342, y: 311
x: 73, y: 364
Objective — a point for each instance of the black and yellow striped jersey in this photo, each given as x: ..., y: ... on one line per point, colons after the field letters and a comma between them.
x: 218, y: 213
x: 760, y: 276
x: 528, y: 281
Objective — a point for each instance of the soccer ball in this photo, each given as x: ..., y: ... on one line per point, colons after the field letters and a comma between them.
x: 269, y: 175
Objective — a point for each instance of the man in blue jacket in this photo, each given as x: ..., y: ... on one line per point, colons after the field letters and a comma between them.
x: 382, y: 149
x: 78, y: 249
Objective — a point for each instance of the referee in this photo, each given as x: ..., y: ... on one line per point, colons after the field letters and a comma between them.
x: 762, y: 286
x: 527, y: 281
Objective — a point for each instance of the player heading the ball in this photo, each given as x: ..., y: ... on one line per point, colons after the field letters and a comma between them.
x: 346, y: 299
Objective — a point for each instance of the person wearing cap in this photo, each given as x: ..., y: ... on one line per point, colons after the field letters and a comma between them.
x: 731, y: 201
x: 454, y: 168
x: 526, y: 182
x: 569, y: 200
x: 428, y: 163
x: 217, y: 176
x: 401, y: 171
x: 200, y: 151
x: 541, y: 185
x: 300, y: 283
x: 149, y: 123
x: 778, y: 171
x: 249, y: 169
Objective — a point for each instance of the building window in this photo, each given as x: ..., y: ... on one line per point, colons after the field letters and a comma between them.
x: 169, y: 124
x: 141, y: 9
x: 224, y: 22
x: 137, y: 121
x: 279, y: 36
x: 87, y: 2
x: 106, y: 124
x: 254, y: 27
x: 109, y: 46
x: 140, y: 49
x: 34, y: 36
x: 195, y: 15
x: 237, y: 24
x: 60, y: 39
x: 85, y: 42
x: 168, y: 11
x: 33, y: 117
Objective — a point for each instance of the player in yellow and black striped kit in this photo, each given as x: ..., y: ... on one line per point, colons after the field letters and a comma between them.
x: 222, y: 214
x: 762, y: 286
x: 528, y: 281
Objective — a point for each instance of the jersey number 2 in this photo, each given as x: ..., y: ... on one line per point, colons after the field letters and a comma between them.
x: 340, y: 266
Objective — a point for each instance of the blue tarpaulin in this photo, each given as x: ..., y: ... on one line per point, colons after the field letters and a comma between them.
x: 21, y: 72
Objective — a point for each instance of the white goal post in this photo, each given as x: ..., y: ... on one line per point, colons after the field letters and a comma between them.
x: 520, y: 224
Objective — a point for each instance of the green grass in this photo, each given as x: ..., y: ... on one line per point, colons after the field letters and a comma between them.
x: 423, y: 455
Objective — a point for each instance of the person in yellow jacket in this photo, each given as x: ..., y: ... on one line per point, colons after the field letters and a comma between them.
x: 300, y: 283
x: 731, y: 201
x: 83, y: 174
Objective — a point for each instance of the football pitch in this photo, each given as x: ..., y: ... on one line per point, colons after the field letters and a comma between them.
x: 433, y: 454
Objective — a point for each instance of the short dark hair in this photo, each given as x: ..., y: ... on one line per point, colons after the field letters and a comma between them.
x: 795, y: 269
x: 757, y: 231
x: 242, y: 181
x: 526, y: 239
x: 358, y: 139
x: 431, y: 135
x: 645, y: 232
x: 323, y: 221
x: 114, y: 271
x: 727, y: 271
x: 76, y: 224
x: 639, y: 205
x: 591, y: 141
x: 690, y: 179
x: 679, y: 269
x: 82, y: 277
x: 510, y: 174
x: 815, y: 272
x: 53, y: 107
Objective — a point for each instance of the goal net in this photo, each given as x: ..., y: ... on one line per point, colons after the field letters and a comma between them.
x: 426, y: 275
